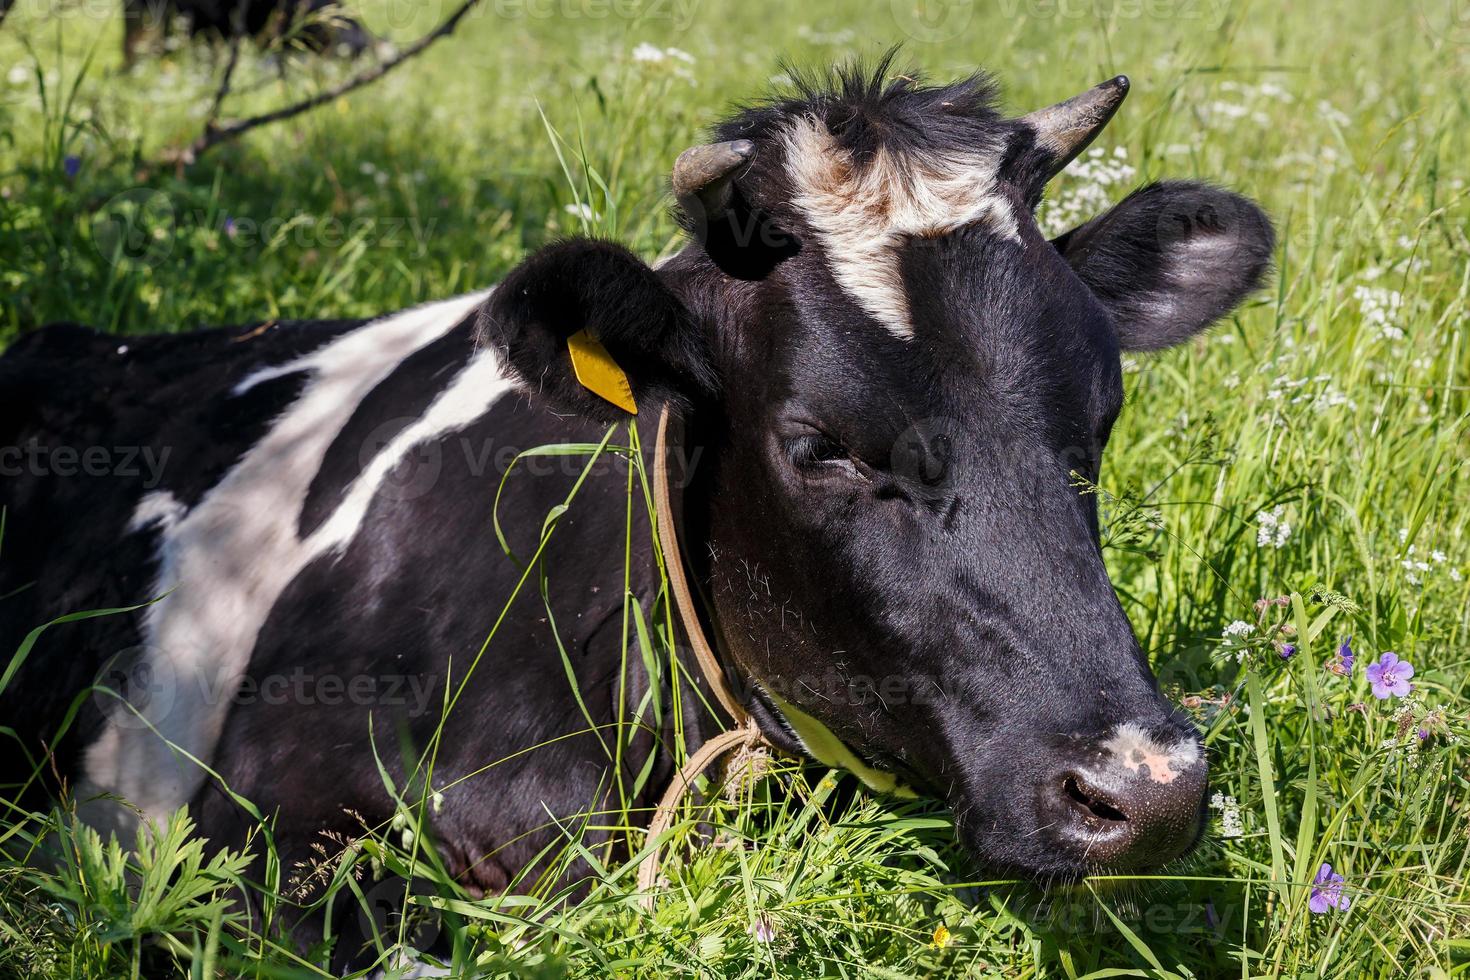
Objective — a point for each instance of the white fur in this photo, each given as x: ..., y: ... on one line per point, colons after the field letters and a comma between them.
x: 161, y: 508
x: 225, y: 562
x: 863, y: 216
x: 1133, y: 748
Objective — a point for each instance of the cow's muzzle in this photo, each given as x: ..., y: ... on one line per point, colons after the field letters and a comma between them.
x: 1129, y: 801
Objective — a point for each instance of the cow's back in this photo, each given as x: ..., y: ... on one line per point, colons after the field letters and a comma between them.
x: 90, y: 425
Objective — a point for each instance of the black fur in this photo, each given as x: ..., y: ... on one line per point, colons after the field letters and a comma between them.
x: 1171, y: 259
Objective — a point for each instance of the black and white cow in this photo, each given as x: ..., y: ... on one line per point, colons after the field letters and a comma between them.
x: 891, y: 379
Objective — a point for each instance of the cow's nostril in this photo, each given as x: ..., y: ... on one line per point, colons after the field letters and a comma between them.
x: 1088, y: 800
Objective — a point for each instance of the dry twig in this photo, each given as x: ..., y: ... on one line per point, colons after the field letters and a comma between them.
x: 217, y: 131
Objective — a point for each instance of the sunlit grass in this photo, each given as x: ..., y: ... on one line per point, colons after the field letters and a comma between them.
x: 1334, y: 403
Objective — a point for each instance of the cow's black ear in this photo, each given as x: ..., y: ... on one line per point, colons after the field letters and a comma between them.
x: 1171, y: 259
x: 603, y: 288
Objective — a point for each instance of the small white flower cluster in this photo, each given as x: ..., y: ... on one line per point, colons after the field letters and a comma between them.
x: 1415, y: 567
x: 652, y: 53
x: 367, y: 169
x: 582, y: 211
x: 1272, y: 529
x: 1235, y: 636
x: 18, y: 75
x: 1380, y: 308
x: 1250, y: 97
x: 1231, y: 824
x: 676, y: 60
x: 1238, y: 629
x: 1327, y: 397
x: 1331, y: 113
x: 1088, y: 188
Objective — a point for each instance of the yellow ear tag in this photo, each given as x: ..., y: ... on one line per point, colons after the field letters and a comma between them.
x: 599, y: 373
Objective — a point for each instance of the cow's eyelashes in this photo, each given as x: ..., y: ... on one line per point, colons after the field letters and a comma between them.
x: 817, y: 452
x: 816, y: 448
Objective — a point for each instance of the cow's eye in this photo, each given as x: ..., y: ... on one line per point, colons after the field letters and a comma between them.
x: 818, y: 449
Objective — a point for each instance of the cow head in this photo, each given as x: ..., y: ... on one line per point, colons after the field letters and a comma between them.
x: 896, y: 381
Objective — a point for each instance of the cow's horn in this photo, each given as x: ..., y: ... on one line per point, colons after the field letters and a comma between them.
x: 702, y: 176
x: 1065, y: 129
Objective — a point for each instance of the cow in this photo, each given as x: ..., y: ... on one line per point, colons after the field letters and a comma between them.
x: 893, y: 391
x: 322, y: 26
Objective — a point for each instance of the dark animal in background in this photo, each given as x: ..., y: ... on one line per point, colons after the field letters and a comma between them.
x: 323, y: 26
x: 891, y: 379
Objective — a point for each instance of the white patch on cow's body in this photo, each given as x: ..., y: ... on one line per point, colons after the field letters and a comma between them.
x: 225, y: 562
x: 1133, y: 749
x: 159, y: 508
x: 864, y: 214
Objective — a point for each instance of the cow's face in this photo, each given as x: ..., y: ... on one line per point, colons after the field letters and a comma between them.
x: 901, y: 388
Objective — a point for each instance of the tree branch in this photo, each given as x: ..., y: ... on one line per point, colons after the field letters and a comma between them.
x: 217, y: 132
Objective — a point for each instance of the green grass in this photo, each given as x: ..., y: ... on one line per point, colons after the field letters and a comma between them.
x: 1349, y: 121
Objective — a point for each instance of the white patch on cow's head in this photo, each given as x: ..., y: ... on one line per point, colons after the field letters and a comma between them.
x: 1134, y: 749
x: 864, y: 213
x: 225, y: 562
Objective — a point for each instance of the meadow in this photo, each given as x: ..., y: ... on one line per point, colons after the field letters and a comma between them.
x: 1309, y: 452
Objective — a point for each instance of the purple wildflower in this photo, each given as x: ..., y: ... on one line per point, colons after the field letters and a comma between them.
x: 1327, y: 892
x: 1390, y: 676
x: 1287, y: 651
x: 1342, y: 665
x: 71, y: 166
x: 229, y: 227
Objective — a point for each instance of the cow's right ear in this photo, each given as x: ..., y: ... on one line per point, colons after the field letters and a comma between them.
x: 603, y: 289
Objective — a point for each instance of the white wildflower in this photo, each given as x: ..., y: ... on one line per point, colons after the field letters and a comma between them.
x: 1087, y: 188
x: 1381, y: 308
x: 1273, y: 530
x: 651, y: 54
x: 1231, y: 824
x: 1239, y: 629
x: 1332, y: 113
x: 582, y: 211
x: 1226, y: 110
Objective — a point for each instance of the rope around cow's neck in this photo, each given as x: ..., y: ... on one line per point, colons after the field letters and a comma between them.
x: 745, y: 734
